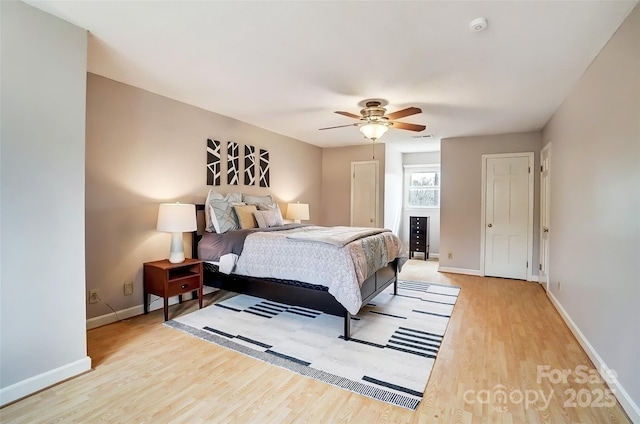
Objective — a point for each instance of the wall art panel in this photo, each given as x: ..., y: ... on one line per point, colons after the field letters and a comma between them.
x: 264, y: 168
x: 233, y: 163
x: 213, y: 162
x: 249, y: 165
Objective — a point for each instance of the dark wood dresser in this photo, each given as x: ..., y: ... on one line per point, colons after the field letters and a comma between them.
x: 419, y: 235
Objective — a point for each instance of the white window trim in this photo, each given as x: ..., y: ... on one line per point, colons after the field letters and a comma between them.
x: 405, y: 185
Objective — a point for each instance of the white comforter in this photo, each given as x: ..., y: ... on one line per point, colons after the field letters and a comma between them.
x: 341, y: 269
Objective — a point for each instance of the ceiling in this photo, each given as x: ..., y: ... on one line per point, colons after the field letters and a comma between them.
x: 287, y: 66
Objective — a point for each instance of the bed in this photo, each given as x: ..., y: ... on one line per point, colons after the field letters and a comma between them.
x: 307, y: 291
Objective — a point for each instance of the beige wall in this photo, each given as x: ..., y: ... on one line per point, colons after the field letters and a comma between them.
x: 143, y: 149
x: 595, y: 206
x: 461, y: 208
x: 336, y: 181
x: 42, y: 303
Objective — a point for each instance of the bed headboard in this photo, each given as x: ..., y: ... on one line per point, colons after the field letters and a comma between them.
x: 196, y: 235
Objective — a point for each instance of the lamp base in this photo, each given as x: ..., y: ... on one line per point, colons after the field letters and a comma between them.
x: 177, y: 249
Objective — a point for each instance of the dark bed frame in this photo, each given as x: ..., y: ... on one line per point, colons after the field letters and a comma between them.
x: 297, y: 293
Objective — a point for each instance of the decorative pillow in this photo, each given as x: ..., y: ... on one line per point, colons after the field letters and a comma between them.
x: 254, y: 200
x: 207, y: 214
x: 245, y: 216
x: 223, y: 217
x: 223, y: 204
x: 266, y: 219
x: 272, y: 207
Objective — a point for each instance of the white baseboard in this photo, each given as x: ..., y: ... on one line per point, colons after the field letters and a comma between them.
x: 109, y: 318
x: 42, y: 381
x: 465, y: 271
x: 475, y: 272
x: 156, y: 303
x: 421, y: 256
x: 535, y: 278
x: 629, y: 406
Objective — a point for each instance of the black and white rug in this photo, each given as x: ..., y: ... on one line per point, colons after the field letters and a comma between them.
x: 395, y: 339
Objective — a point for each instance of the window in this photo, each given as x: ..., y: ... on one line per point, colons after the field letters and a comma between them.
x: 423, y: 187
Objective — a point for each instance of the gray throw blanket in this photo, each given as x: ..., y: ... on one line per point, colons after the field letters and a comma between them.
x: 337, y: 236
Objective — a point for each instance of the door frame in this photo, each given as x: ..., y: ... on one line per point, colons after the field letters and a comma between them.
x: 377, y: 186
x: 483, y: 196
x: 546, y: 150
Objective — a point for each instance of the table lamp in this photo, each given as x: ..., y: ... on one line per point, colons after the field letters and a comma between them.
x: 297, y: 212
x: 176, y: 218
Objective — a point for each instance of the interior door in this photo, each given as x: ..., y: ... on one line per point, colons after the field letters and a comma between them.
x: 545, y: 196
x: 364, y: 194
x: 507, y: 216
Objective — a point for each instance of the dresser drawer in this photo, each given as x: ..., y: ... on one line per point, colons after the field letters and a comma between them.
x: 183, y: 285
x: 419, y: 235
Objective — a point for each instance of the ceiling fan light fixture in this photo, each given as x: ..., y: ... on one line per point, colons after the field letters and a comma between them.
x: 374, y: 130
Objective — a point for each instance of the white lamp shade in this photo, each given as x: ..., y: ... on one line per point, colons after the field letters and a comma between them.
x: 373, y: 131
x: 298, y: 211
x: 177, y: 217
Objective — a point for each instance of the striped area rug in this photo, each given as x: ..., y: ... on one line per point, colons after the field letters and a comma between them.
x: 395, y: 339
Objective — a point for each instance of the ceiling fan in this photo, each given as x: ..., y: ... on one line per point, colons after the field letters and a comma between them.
x: 374, y: 120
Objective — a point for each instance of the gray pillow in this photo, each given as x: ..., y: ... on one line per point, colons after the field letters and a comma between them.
x: 275, y: 208
x: 266, y: 219
x: 254, y: 200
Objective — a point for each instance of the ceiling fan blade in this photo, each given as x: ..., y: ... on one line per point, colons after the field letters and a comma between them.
x: 340, y: 126
x: 410, y: 127
x: 349, y: 114
x: 404, y: 112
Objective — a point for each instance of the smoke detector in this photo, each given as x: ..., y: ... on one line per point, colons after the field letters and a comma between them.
x: 478, y: 24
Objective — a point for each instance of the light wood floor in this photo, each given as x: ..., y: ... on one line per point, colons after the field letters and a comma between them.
x: 500, y: 331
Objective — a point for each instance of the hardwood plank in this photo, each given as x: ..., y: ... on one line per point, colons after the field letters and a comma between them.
x: 500, y: 331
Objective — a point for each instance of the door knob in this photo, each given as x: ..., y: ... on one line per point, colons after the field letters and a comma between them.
x: 371, y: 220
x: 490, y: 225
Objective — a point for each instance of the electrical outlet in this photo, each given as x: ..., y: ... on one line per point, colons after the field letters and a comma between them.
x: 93, y: 296
x: 128, y: 288
x: 450, y: 255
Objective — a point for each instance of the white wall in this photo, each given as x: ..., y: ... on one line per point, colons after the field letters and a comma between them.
x: 42, y: 314
x: 421, y: 158
x: 595, y: 209
x: 393, y: 189
x: 424, y: 158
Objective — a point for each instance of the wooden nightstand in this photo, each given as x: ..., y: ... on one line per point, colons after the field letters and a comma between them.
x: 165, y: 279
